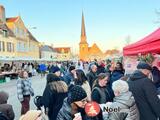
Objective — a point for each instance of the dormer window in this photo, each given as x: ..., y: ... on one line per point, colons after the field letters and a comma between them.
x: 5, y: 33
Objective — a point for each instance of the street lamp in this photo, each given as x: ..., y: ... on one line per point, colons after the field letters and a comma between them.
x: 32, y: 28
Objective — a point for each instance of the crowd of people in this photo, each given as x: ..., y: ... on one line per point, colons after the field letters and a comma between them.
x: 69, y: 87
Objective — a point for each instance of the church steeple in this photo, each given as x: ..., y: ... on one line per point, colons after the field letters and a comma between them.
x: 83, y: 31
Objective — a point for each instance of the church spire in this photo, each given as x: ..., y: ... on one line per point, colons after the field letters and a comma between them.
x: 83, y: 31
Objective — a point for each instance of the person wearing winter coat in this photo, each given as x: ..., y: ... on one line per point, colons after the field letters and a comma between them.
x: 117, y: 73
x: 42, y: 68
x: 102, y: 91
x: 156, y: 76
x: 24, y: 91
x: 92, y: 75
x: 30, y: 70
x: 53, y: 96
x: 54, y: 74
x: 81, y: 79
x: 144, y: 92
x: 124, y: 101
x: 108, y: 65
x: 100, y: 67
x: 5, y: 108
x: 74, y: 104
x: 69, y: 77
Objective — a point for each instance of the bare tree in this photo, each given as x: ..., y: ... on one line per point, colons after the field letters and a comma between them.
x: 128, y: 40
x: 157, y: 12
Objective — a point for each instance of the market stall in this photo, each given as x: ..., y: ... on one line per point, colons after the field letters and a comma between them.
x: 149, y: 44
x: 147, y: 49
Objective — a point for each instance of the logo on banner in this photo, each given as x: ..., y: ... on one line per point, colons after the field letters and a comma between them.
x: 92, y: 109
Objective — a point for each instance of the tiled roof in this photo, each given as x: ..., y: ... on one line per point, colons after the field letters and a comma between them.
x: 95, y: 49
x: 63, y: 49
x: 4, y: 27
x: 113, y: 51
x: 47, y: 48
x: 12, y: 19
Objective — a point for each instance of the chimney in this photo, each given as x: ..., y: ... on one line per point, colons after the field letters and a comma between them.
x: 2, y: 14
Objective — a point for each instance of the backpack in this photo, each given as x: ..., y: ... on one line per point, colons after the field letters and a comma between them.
x: 3, y: 116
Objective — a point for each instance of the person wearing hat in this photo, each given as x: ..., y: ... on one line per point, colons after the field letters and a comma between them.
x: 74, y: 104
x: 144, y: 92
x: 54, y: 94
x: 54, y: 74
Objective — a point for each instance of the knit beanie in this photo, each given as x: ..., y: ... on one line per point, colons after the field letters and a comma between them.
x: 54, y: 69
x: 77, y: 93
x: 144, y: 65
x: 72, y: 68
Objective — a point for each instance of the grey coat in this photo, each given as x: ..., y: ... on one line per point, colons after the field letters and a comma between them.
x: 128, y: 108
x: 65, y: 112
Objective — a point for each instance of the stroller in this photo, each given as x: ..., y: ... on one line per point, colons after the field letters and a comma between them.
x: 39, y: 104
x: 3, y: 116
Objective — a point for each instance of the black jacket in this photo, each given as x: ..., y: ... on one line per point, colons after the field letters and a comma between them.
x: 53, y: 96
x: 91, y: 77
x: 145, y: 95
x: 102, y: 94
x: 116, y: 75
x: 52, y: 77
x: 156, y: 77
x: 100, y: 69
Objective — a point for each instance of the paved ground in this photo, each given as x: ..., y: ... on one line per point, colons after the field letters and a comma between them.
x: 38, y: 85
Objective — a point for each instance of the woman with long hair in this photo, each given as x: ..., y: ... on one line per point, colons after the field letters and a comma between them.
x: 118, y: 72
x: 102, y: 91
x: 53, y: 96
x: 81, y: 80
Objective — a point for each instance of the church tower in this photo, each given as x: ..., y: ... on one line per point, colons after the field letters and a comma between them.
x: 83, y: 45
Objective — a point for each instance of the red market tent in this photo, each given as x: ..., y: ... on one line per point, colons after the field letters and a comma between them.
x: 149, y: 44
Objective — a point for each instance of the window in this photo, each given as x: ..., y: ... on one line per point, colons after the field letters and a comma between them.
x: 17, y: 31
x: 2, y: 46
x: 19, y: 46
x: 12, y: 47
x: 25, y: 46
x: 9, y: 47
x: 5, y: 33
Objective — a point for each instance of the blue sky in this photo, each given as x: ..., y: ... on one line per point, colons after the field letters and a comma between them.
x: 108, y: 22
